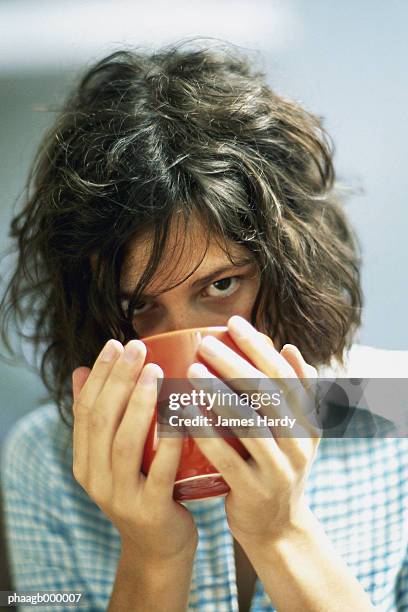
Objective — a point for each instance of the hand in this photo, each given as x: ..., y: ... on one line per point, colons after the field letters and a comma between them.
x: 113, y: 407
x: 266, y: 496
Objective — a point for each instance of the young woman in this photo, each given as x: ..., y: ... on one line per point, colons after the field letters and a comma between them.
x: 177, y: 190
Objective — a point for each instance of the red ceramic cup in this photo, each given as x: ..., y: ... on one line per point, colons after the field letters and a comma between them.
x: 174, y: 352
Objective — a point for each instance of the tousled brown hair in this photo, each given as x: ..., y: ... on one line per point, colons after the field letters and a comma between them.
x: 144, y: 135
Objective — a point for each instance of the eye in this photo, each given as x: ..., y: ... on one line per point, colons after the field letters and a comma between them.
x: 223, y: 287
x: 141, y: 308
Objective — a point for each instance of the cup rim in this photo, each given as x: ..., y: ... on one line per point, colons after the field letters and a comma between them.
x: 184, y: 331
x: 197, y: 477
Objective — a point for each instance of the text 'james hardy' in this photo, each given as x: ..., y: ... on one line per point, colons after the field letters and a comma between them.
x: 208, y: 421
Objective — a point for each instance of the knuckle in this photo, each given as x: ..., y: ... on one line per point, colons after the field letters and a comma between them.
x: 80, y: 419
x: 226, y: 464
x: 136, y: 404
x: 98, y: 420
x: 158, y: 479
x: 124, y: 446
x: 93, y: 490
x: 100, y: 375
x: 262, y: 494
x: 80, y: 408
x: 301, y: 456
x: 79, y: 475
x: 98, y: 494
x: 121, y: 375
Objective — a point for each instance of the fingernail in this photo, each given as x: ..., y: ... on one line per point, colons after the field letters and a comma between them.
x: 110, y: 350
x: 209, y: 346
x: 150, y: 376
x: 267, y: 338
x: 133, y: 350
x: 240, y: 327
x: 198, y: 370
x: 292, y: 347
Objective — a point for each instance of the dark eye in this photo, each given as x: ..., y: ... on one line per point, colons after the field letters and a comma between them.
x: 141, y: 308
x: 223, y: 287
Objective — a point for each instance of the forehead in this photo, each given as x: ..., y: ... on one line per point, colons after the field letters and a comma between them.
x: 185, y: 250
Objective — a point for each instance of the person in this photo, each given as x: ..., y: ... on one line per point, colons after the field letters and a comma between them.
x: 176, y: 189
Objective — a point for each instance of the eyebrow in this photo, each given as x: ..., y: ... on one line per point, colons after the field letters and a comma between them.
x: 127, y: 295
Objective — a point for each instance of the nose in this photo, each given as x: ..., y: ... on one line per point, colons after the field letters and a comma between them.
x: 185, y: 320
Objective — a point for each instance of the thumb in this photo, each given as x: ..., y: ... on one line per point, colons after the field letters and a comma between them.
x: 79, y: 378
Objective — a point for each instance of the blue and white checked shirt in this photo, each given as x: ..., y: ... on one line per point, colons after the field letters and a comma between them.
x: 60, y: 540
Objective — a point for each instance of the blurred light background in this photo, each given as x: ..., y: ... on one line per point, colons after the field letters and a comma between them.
x: 346, y: 61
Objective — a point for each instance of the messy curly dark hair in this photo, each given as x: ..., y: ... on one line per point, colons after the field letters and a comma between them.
x: 144, y: 135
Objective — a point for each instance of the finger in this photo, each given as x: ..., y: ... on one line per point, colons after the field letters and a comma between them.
x: 259, y: 348
x: 130, y: 438
x: 308, y: 376
x: 237, y: 417
x: 79, y: 378
x: 97, y: 377
x: 84, y: 398
x: 109, y: 408
x: 163, y: 471
x: 298, y: 403
x: 266, y: 361
x: 307, y: 373
x: 300, y: 394
x: 80, y: 432
x: 272, y: 371
x: 295, y: 358
x: 236, y: 472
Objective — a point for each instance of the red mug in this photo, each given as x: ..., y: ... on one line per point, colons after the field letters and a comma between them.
x: 174, y: 352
